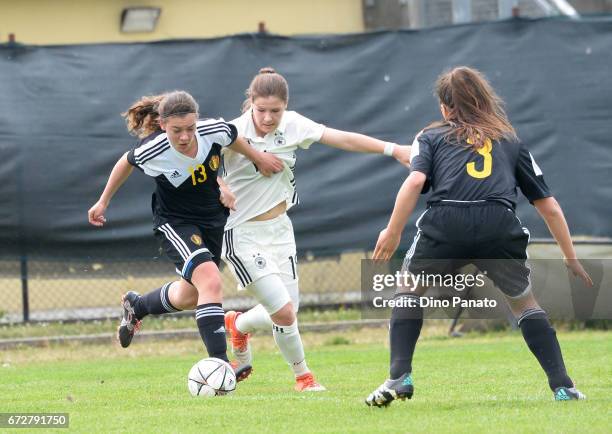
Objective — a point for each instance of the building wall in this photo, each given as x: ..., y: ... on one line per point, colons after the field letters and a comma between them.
x: 438, y: 13
x: 592, y: 6
x: 92, y: 21
x: 396, y: 14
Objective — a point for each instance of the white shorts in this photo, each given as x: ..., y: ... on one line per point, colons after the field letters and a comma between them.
x: 255, y: 249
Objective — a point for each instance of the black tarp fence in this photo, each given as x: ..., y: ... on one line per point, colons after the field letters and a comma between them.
x: 61, y: 130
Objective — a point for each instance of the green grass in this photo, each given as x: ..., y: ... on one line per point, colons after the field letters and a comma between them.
x: 473, y: 384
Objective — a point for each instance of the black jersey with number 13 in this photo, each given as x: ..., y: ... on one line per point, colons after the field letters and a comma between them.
x: 186, y: 188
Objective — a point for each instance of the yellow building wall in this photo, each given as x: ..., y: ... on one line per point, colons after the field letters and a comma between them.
x: 93, y: 21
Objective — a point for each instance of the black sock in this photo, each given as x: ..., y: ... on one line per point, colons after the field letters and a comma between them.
x: 155, y: 302
x: 211, y: 323
x: 404, y: 331
x: 542, y: 340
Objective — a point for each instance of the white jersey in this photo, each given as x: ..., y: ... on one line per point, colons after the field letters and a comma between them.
x: 255, y: 193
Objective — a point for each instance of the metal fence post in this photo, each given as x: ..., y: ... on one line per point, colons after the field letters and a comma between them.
x: 25, y: 298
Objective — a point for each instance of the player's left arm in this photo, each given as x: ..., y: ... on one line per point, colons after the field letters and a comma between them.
x: 355, y: 142
x: 407, y: 197
x: 551, y: 212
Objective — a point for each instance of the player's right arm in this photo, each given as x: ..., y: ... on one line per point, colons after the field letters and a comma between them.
x: 421, y: 156
x: 406, y: 201
x: 266, y: 163
x: 119, y: 174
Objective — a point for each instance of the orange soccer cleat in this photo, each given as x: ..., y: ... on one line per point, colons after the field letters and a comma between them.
x: 307, y: 383
x: 239, y: 341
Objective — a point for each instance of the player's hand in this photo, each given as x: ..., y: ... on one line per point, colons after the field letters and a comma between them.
x: 96, y: 214
x: 402, y: 154
x: 575, y: 267
x: 227, y: 198
x: 268, y: 164
x: 387, y: 244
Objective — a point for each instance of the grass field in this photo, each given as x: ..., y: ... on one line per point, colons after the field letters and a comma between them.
x: 479, y: 383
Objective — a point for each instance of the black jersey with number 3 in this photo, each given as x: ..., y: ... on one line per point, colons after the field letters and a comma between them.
x: 186, y: 188
x: 456, y: 172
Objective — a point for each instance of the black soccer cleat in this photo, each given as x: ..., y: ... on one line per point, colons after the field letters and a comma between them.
x: 242, y: 372
x: 568, y: 394
x: 391, y: 390
x: 129, y: 323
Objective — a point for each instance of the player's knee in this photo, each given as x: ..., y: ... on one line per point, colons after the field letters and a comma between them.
x: 520, y: 305
x: 213, y: 286
x: 183, y: 295
x: 189, y: 295
x: 207, y: 280
x: 285, y: 315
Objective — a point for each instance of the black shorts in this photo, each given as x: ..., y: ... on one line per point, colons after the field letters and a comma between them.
x: 189, y: 245
x: 487, y: 234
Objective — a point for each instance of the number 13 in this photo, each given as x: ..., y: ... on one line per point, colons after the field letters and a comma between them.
x: 199, y: 170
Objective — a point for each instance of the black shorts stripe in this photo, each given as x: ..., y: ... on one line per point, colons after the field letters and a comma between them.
x: 232, y: 260
x: 228, y: 255
x: 238, y: 261
x: 235, y: 260
x: 293, y: 267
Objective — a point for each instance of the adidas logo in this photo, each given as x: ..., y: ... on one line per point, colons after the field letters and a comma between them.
x: 175, y: 174
x: 562, y: 395
x: 220, y: 330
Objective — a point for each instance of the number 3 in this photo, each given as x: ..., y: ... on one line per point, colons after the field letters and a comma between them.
x: 487, y: 168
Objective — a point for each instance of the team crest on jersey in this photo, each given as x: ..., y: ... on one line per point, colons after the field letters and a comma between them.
x: 260, y: 262
x: 279, y: 140
x: 214, y: 162
x: 196, y: 239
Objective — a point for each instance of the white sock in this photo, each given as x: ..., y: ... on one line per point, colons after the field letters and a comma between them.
x: 253, y: 319
x: 290, y: 344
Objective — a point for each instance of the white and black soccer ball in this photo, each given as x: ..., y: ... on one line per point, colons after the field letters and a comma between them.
x: 211, y: 377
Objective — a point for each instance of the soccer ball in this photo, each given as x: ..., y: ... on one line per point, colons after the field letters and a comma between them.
x: 211, y: 377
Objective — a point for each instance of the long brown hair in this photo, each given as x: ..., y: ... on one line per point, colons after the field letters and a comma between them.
x: 475, y: 111
x: 266, y: 83
x: 142, y: 118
